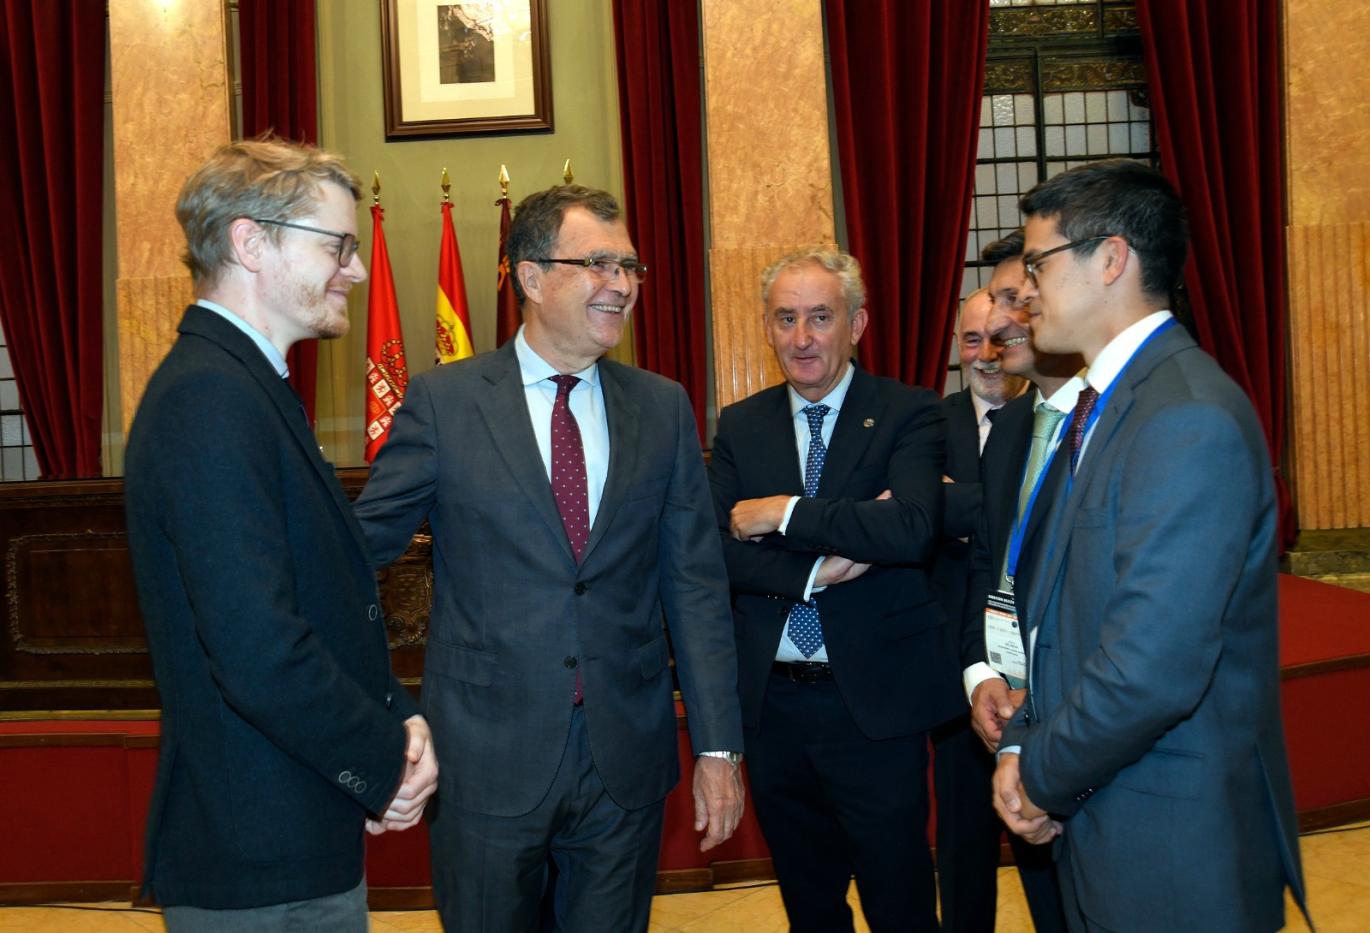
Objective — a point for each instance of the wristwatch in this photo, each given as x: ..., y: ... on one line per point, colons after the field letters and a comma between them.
x: 733, y: 758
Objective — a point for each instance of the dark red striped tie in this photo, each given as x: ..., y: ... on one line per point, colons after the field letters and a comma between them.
x: 568, y: 482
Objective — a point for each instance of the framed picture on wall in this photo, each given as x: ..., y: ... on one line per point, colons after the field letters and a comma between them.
x: 453, y: 67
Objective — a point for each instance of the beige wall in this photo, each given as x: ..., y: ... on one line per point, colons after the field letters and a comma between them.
x: 352, y: 122
x: 1326, y: 115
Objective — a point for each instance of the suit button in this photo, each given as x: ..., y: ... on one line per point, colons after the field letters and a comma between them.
x: 372, y: 611
x: 580, y: 589
x: 361, y: 787
x: 389, y: 698
x: 569, y: 662
x: 344, y: 777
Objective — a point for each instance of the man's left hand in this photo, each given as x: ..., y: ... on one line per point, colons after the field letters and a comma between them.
x: 752, y: 518
x: 718, y: 800
x: 1019, y: 813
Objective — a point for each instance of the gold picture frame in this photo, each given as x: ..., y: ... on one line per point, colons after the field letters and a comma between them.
x: 456, y: 67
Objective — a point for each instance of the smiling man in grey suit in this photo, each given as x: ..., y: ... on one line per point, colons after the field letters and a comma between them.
x: 569, y: 508
x: 1150, y: 740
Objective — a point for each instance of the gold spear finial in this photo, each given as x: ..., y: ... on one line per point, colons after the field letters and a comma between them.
x: 567, y: 175
x: 503, y: 180
x: 376, y: 187
x: 446, y: 186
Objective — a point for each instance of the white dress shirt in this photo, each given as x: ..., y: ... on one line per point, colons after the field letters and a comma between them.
x: 787, y: 650
x: 1063, y: 399
x: 587, y: 405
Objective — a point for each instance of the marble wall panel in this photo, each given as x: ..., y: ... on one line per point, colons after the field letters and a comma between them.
x: 1329, y: 337
x: 770, y: 174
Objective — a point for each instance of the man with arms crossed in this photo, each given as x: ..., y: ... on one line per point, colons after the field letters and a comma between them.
x: 1150, y: 739
x: 282, y: 726
x: 569, y: 508
x: 829, y: 502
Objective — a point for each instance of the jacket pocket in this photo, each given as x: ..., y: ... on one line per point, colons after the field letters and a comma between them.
x: 465, y: 664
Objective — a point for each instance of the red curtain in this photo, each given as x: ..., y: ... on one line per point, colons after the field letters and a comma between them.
x: 906, y: 79
x: 280, y: 93
x: 1215, y: 80
x: 659, y: 107
x: 52, y: 98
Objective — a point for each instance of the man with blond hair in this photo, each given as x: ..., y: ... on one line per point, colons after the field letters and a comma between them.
x: 283, y: 730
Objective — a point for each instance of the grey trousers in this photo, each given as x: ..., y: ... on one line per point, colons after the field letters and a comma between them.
x: 335, y: 913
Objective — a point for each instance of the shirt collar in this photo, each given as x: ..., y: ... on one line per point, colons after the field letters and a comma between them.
x: 982, y: 407
x: 833, y: 399
x: 1118, y: 351
x: 1063, y: 399
x: 534, y: 369
x: 273, y: 356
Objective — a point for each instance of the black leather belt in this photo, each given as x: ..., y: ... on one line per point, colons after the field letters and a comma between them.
x: 804, y: 672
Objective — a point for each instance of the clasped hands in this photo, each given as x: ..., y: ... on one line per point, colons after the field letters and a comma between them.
x: 419, y: 782
x: 1019, y: 813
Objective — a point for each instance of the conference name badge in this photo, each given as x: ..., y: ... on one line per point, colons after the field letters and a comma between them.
x: 1003, y: 640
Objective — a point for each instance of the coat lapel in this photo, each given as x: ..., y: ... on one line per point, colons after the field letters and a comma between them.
x: 851, y: 435
x: 622, y: 411
x: 1092, y: 467
x: 505, y: 411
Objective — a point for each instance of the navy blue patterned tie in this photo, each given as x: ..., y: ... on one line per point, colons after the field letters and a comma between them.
x: 804, y: 629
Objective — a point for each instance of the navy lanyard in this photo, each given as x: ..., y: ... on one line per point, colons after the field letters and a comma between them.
x: 1015, y: 545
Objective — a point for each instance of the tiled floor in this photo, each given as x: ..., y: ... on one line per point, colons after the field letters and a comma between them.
x: 1336, y: 865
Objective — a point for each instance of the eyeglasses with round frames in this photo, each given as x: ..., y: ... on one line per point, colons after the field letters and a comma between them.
x: 606, y: 269
x: 347, y: 243
x: 1031, y: 265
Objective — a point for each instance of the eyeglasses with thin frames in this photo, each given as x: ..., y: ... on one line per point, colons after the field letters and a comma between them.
x: 347, y: 243
x: 1031, y: 265
x: 606, y: 269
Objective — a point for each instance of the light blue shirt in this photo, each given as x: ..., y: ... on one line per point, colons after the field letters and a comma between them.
x: 788, y: 650
x: 587, y: 405
x: 273, y: 356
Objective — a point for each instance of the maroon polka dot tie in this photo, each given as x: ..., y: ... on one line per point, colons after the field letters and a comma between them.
x: 568, y: 483
x: 568, y: 468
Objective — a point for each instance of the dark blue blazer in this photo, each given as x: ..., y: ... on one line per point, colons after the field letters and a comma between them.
x: 281, y: 722
x: 1152, y: 725
x: 883, y: 630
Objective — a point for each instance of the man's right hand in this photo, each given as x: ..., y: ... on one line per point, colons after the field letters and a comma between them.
x: 418, y: 783
x: 992, y: 705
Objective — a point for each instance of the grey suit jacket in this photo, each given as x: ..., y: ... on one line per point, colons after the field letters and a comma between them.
x: 513, y: 616
x: 1152, y: 725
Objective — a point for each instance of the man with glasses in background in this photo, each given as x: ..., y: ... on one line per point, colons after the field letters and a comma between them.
x: 283, y: 728
x: 569, y: 509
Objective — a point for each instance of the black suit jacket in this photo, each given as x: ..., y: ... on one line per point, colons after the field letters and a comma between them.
x: 281, y: 722
x: 963, y: 498
x: 1001, y: 470
x: 882, y: 630
x: 513, y: 614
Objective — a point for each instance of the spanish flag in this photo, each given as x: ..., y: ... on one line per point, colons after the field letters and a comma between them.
x: 387, y: 375
x: 453, y: 331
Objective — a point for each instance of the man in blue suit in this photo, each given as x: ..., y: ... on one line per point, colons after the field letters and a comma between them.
x: 1150, y: 741
x: 282, y: 726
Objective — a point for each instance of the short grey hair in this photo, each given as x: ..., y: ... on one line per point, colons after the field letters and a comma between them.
x: 842, y: 265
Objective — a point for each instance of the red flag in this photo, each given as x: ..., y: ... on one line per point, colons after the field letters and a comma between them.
x: 453, y: 330
x: 507, y: 315
x: 387, y: 376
